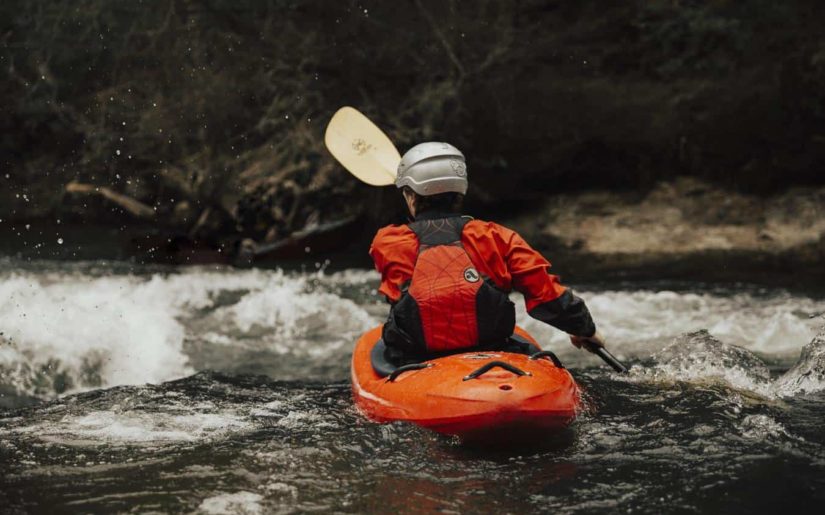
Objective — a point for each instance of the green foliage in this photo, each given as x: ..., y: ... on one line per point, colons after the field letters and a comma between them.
x: 212, y: 111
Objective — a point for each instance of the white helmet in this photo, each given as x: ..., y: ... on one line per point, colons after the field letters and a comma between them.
x: 432, y: 168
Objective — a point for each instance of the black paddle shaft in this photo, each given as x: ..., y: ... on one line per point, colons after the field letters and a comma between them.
x: 610, y: 359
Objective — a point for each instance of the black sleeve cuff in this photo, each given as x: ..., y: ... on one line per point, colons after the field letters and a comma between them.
x: 568, y: 313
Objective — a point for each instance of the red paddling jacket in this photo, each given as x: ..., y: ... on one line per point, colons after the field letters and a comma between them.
x: 448, y: 278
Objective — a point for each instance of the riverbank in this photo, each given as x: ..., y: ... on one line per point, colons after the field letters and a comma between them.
x: 683, y: 230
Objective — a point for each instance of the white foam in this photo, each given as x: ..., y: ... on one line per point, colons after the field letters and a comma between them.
x: 238, y: 503
x: 135, y: 427
x: 98, y: 331
x: 102, y: 331
x: 269, y: 409
x: 291, y: 314
x: 303, y: 419
x: 639, y: 323
x: 281, y: 489
x: 107, y: 331
x: 762, y: 427
x: 351, y: 277
x: 283, y: 311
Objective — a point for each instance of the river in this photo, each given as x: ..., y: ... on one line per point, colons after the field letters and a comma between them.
x: 128, y: 388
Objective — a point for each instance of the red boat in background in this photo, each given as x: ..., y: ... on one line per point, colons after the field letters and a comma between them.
x: 478, y: 396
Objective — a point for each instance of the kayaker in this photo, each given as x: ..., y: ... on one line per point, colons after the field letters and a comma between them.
x: 448, y: 276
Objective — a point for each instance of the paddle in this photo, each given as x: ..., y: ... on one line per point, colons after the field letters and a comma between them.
x: 361, y: 147
x: 610, y: 360
x: 368, y: 154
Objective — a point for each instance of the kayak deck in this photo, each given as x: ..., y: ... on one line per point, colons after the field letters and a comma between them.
x: 474, y: 395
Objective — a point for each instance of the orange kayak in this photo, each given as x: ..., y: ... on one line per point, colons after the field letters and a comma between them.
x: 477, y: 396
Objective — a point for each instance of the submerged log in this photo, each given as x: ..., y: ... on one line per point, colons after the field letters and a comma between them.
x: 160, y: 246
x: 128, y: 204
x: 319, y: 238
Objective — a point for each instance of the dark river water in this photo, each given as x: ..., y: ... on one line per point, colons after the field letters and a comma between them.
x: 212, y: 390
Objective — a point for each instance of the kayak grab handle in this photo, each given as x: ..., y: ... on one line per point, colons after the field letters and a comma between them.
x: 406, y: 368
x: 501, y: 364
x: 547, y: 354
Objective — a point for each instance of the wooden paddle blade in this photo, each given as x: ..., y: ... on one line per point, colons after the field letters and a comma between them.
x: 362, y: 148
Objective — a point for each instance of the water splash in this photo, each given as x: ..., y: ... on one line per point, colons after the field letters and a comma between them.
x: 70, y: 329
x: 68, y: 332
x: 279, y: 314
x: 81, y: 333
x: 699, y: 357
x: 808, y: 375
x: 763, y: 427
x: 637, y: 323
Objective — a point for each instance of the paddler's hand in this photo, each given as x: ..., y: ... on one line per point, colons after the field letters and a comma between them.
x: 588, y: 343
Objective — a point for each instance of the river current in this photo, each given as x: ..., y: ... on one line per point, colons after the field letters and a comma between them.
x: 214, y: 390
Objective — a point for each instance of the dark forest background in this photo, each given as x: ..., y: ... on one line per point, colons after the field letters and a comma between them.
x: 205, y: 118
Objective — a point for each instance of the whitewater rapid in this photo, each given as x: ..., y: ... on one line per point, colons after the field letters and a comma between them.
x: 214, y: 390
x: 87, y: 327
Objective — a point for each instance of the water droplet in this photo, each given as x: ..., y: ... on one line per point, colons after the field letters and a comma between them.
x: 60, y: 241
